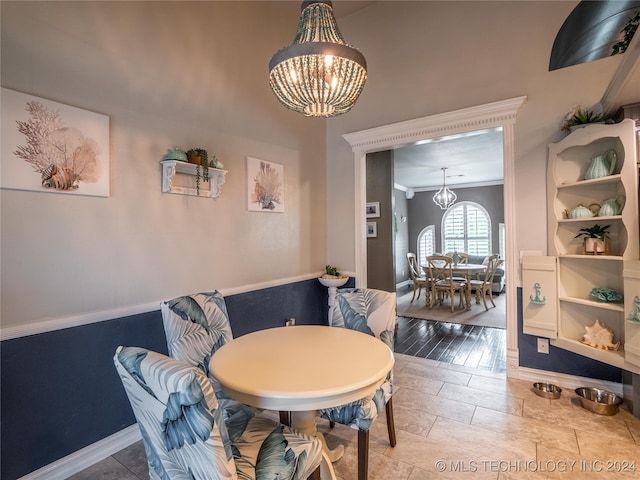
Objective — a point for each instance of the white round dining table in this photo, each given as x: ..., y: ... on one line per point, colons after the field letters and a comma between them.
x: 302, y: 369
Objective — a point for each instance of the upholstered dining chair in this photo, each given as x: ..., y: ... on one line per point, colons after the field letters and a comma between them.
x: 195, y: 327
x: 443, y: 282
x: 184, y: 433
x: 372, y: 312
x: 419, y: 280
x: 483, y: 287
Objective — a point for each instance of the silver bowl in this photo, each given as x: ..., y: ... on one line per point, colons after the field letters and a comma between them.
x: 596, y: 400
x: 547, y: 390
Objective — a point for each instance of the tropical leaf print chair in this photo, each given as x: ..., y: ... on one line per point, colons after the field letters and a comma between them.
x: 372, y: 312
x: 195, y: 327
x: 185, y: 437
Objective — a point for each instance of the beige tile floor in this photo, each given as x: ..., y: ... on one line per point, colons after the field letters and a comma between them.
x: 459, y: 423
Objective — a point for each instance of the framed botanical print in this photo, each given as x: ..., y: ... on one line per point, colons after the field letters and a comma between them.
x: 265, y: 186
x: 52, y: 147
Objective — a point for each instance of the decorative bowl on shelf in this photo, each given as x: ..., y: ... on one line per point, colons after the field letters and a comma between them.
x: 333, y: 282
x: 176, y: 154
x: 607, y: 295
x: 599, y: 401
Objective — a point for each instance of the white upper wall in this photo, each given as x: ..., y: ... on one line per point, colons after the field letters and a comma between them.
x: 166, y: 73
x: 428, y: 57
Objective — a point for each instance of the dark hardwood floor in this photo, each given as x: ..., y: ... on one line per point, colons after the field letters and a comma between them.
x: 465, y: 345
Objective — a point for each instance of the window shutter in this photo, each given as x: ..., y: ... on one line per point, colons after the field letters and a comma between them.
x: 426, y: 244
x: 467, y: 228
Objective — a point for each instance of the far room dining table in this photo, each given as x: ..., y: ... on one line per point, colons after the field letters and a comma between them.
x: 463, y: 270
x: 302, y: 369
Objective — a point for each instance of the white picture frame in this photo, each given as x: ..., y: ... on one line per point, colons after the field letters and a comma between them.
x: 373, y: 209
x: 265, y: 186
x: 52, y: 147
x: 372, y: 229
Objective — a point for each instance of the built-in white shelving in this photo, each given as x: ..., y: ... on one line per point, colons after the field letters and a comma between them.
x: 576, y: 273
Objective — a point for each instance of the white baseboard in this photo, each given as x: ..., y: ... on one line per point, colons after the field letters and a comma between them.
x: 90, y: 455
x: 569, y: 382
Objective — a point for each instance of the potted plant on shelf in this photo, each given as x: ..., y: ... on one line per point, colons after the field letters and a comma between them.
x: 200, y: 158
x: 596, y: 239
x: 579, y: 117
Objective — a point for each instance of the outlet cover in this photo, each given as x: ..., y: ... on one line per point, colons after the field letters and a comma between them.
x: 543, y: 345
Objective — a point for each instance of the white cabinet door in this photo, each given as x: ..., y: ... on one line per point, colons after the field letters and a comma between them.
x: 539, y: 296
x: 631, y: 275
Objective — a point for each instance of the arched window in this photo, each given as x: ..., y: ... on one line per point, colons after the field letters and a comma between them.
x: 466, y: 227
x: 426, y: 244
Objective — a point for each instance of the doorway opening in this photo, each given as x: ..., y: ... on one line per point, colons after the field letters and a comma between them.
x: 500, y: 114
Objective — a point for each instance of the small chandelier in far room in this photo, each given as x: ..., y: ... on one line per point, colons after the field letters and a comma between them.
x: 445, y: 197
x: 319, y: 75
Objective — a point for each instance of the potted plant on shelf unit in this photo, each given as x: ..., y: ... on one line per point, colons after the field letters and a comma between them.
x: 596, y: 239
x: 580, y: 117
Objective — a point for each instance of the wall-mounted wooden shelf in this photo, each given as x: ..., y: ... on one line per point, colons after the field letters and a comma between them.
x: 210, y: 189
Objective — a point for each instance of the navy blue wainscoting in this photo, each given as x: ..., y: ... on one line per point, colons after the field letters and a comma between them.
x: 59, y: 390
x: 558, y: 359
x: 271, y: 307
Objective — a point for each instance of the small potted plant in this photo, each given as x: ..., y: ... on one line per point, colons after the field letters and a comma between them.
x: 579, y: 117
x: 332, y: 277
x: 596, y: 239
x: 200, y: 158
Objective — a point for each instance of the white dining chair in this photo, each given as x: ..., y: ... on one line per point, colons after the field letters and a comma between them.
x: 443, y: 283
x: 419, y: 280
x: 483, y: 288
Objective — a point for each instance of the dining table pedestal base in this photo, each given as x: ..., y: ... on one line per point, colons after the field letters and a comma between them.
x: 305, y: 422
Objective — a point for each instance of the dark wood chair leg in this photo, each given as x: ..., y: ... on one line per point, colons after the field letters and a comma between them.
x: 315, y: 475
x: 332, y: 424
x: 363, y: 454
x: 391, y: 427
x: 285, y: 418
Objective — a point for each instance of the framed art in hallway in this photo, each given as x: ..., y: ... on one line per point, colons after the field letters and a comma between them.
x: 372, y: 229
x: 52, y: 147
x: 265, y: 186
x: 373, y: 209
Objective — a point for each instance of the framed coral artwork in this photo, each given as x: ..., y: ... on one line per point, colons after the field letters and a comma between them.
x: 52, y: 147
x: 265, y: 186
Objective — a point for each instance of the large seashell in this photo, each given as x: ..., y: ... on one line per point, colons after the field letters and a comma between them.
x: 599, y: 336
